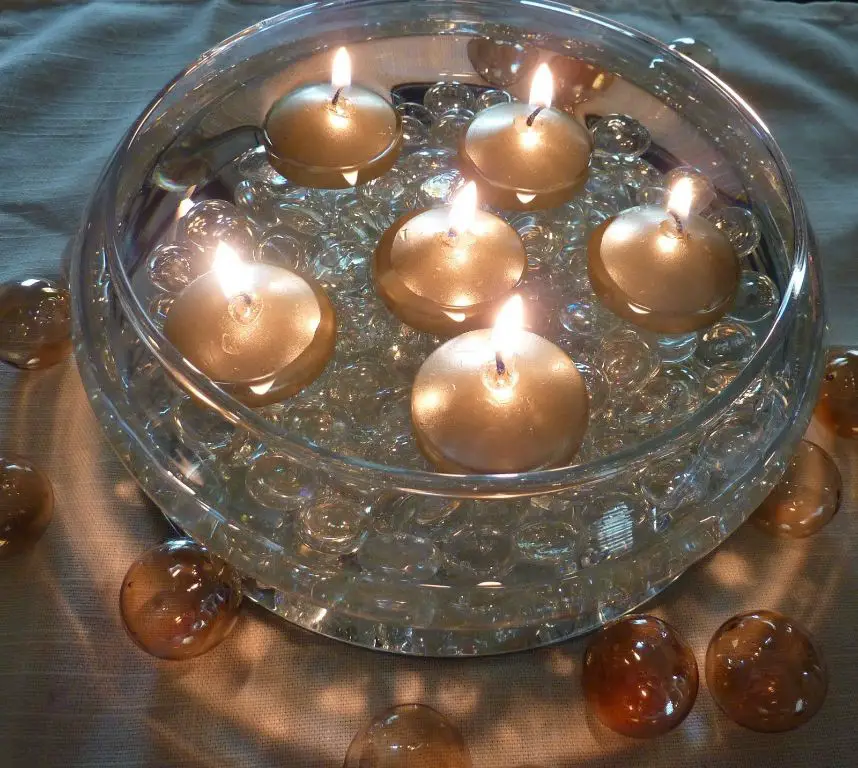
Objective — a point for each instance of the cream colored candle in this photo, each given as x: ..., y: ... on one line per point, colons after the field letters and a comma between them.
x: 527, y: 156
x: 333, y: 135
x: 498, y: 401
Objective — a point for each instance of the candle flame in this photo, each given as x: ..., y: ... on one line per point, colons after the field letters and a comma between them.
x: 507, y: 328
x: 463, y: 209
x: 679, y: 202
x: 341, y: 71
x: 542, y: 87
x: 232, y: 274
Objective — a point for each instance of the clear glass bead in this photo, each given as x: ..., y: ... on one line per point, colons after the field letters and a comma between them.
x: 417, y: 111
x: 587, y: 318
x: 729, y: 446
x: 651, y: 195
x: 757, y: 298
x: 361, y: 388
x: 540, y: 236
x: 482, y: 553
x: 598, y: 386
x: 548, y: 541
x: 725, y: 342
x: 399, y: 555
x: 198, y: 426
x: 344, y: 268
x: 695, y: 49
x: 334, y: 526
x: 620, y: 136
x: 275, y: 481
x: 674, y: 482
x: 171, y: 267
x: 674, y: 349
x: 439, y: 189
x: 719, y: 376
x: 301, y: 218
x: 389, y: 191
x: 702, y: 189
x: 491, y: 98
x: 573, y: 272
x: 740, y: 226
x: 282, y: 249
x: 326, y: 425
x: 212, y: 222
x: 426, y: 162
x: 674, y: 394
x: 449, y: 128
x: 638, y: 174
x: 256, y: 201
x: 442, y: 97
x: 414, y: 132
x: 628, y: 361
x: 159, y: 307
x: 253, y: 165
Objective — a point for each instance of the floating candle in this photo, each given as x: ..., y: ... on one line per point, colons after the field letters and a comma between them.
x: 499, y: 400
x: 259, y: 331
x: 445, y: 270
x: 527, y: 156
x: 668, y: 271
x: 333, y: 135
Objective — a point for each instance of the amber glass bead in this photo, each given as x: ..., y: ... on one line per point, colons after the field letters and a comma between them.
x: 806, y: 498
x: 178, y: 601
x: 26, y: 505
x: 35, y: 323
x: 640, y: 677
x: 838, y: 395
x: 765, y: 672
x: 408, y: 736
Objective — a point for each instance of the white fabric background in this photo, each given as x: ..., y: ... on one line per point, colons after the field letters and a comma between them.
x: 74, y: 691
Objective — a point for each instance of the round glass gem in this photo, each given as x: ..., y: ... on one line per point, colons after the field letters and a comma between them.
x: 35, y: 323
x: 838, y: 395
x: 335, y: 526
x: 178, y: 601
x: 725, y: 342
x: 620, y: 136
x: 757, y: 298
x: 640, y: 677
x: 740, y: 226
x: 806, y: 498
x: 26, y: 505
x: 765, y: 672
x: 275, y: 481
x: 408, y: 736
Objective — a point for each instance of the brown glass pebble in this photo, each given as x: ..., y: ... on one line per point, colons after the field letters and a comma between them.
x: 408, y: 736
x: 806, y: 498
x: 26, y: 505
x: 838, y: 395
x: 640, y: 677
x: 177, y: 601
x: 765, y: 672
x: 35, y: 323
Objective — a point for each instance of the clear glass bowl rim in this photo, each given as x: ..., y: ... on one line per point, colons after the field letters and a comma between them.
x: 369, y: 474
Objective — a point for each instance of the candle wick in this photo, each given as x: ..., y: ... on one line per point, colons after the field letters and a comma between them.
x: 533, y: 115
x: 337, y: 95
x: 677, y: 220
x: 499, y: 364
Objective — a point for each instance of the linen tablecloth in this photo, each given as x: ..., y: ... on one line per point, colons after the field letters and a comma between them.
x: 74, y: 691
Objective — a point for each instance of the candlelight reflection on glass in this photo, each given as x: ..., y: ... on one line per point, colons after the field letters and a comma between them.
x: 666, y: 270
x: 444, y: 270
x: 333, y: 135
x: 259, y: 331
x: 499, y: 400
x: 527, y: 156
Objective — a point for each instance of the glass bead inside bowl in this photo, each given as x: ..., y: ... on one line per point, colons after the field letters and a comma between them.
x: 449, y: 128
x: 491, y: 98
x: 335, y: 526
x: 445, y: 96
x: 620, y: 136
x: 211, y: 222
x: 725, y: 342
x: 757, y: 298
x: 740, y: 226
x: 171, y: 267
x: 275, y: 481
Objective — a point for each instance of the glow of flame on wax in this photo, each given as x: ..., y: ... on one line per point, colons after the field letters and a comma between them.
x: 541, y: 88
x: 463, y: 209
x: 185, y: 204
x: 524, y: 199
x: 679, y: 202
x: 351, y: 177
x: 232, y: 273
x: 507, y: 330
x: 261, y: 389
x: 341, y: 71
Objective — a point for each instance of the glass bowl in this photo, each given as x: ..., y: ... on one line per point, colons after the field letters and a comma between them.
x: 371, y: 546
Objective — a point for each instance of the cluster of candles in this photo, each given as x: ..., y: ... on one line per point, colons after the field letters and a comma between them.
x: 491, y: 399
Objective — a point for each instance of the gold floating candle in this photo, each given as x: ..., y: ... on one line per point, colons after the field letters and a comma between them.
x: 333, y: 135
x: 445, y: 270
x: 259, y: 331
x: 668, y: 271
x: 527, y: 156
x: 499, y: 400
